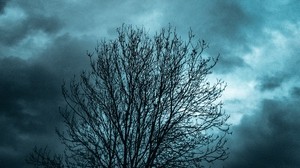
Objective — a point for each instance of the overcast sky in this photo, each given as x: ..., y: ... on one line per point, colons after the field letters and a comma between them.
x: 44, y: 42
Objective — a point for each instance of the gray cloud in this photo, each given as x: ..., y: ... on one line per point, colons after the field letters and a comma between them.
x: 270, y: 138
x: 224, y: 24
x: 12, y: 33
x: 67, y: 55
x: 30, y: 95
x: 295, y: 92
x: 269, y: 83
x: 2, y: 5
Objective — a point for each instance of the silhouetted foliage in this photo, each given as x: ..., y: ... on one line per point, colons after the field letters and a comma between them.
x: 146, y: 102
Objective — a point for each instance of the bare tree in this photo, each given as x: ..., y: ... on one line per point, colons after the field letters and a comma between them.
x: 146, y: 102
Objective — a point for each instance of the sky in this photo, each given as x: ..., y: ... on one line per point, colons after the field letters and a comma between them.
x: 43, y: 43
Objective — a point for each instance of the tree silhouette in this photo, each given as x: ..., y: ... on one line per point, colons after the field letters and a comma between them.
x: 146, y: 102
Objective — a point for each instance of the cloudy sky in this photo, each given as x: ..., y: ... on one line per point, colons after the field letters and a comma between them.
x: 44, y: 42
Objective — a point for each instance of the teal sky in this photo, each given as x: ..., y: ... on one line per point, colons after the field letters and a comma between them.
x: 44, y: 42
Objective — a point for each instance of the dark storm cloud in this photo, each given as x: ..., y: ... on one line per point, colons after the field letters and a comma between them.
x: 295, y: 91
x: 2, y: 5
x: 280, y: 74
x: 270, y: 138
x: 30, y: 95
x: 227, y: 19
x: 12, y: 33
x: 269, y: 83
x: 222, y: 23
x: 67, y: 55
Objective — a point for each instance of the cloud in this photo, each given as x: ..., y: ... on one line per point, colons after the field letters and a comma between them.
x: 270, y: 137
x: 16, y: 31
x: 3, y: 5
x: 269, y: 83
x: 30, y: 96
x: 26, y: 91
x: 295, y: 92
x: 66, y: 55
x: 224, y: 24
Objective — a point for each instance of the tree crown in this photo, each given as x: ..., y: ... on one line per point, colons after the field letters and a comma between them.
x: 146, y: 102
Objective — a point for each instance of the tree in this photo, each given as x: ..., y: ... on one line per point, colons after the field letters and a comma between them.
x: 146, y: 102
